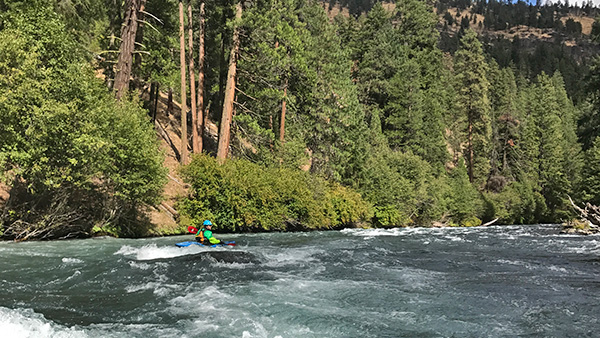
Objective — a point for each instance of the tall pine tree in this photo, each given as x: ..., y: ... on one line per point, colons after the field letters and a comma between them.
x: 473, y: 91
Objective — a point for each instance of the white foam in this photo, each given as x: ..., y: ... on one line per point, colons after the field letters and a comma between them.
x: 68, y: 260
x: 25, y: 323
x: 259, y: 331
x: 233, y: 265
x: 152, y: 251
x: 395, y: 232
x: 370, y: 233
x: 141, y: 266
x: 292, y: 257
x: 158, y: 288
x: 75, y: 274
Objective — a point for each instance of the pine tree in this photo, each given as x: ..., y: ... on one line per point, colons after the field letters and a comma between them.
x: 544, y: 149
x: 398, y: 71
x: 473, y: 90
x: 506, y: 119
x: 591, y: 174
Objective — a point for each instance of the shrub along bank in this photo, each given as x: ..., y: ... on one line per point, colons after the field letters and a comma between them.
x: 243, y: 196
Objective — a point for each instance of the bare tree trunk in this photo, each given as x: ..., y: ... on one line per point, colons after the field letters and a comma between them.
x: 282, y: 116
x: 139, y: 37
x: 128, y: 34
x: 282, y: 120
x: 151, y: 92
x: 192, y: 80
x: 184, y: 142
x: 227, y: 115
x: 155, y: 103
x: 170, y: 102
x: 201, y: 123
x: 470, y: 150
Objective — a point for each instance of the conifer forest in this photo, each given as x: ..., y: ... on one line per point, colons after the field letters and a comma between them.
x: 295, y: 114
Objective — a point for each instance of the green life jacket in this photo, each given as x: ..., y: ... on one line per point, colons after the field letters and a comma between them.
x: 207, y: 236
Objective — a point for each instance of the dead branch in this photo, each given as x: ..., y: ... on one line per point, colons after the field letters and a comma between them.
x: 590, y: 213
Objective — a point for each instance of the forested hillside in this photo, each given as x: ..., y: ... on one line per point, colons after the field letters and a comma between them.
x: 417, y: 113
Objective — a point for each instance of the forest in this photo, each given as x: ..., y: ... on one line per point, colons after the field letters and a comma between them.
x: 388, y: 116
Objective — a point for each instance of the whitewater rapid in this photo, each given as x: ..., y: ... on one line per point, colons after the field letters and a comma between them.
x: 462, y: 282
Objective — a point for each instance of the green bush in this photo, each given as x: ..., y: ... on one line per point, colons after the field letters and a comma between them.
x: 243, y: 196
x: 74, y: 157
x: 517, y: 203
x: 464, y: 202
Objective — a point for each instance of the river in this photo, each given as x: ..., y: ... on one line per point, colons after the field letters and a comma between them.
x: 501, y: 281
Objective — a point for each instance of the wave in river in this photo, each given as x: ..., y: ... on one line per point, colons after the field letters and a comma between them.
x: 26, y: 323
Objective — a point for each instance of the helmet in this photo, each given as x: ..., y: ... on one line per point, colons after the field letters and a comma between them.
x: 207, y: 222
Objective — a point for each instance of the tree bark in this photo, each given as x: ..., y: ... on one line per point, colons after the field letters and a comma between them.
x: 128, y: 34
x: 151, y: 92
x: 155, y: 102
x: 200, y: 101
x: 227, y: 115
x: 195, y: 144
x: 139, y: 37
x: 170, y: 102
x: 184, y: 143
x: 282, y: 120
x: 471, y: 162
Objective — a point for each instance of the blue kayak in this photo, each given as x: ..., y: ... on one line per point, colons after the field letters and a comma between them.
x: 190, y: 243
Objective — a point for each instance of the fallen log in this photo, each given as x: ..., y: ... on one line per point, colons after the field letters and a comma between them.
x: 590, y: 213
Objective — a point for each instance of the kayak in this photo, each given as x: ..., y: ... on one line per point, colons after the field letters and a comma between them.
x: 190, y: 243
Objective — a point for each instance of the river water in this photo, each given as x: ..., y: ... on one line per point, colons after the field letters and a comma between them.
x: 454, y: 282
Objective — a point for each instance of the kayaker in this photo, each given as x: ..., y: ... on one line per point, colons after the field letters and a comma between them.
x: 205, y: 235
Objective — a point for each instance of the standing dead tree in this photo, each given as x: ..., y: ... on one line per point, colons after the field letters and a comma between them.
x: 227, y: 116
x: 128, y: 34
x: 184, y: 140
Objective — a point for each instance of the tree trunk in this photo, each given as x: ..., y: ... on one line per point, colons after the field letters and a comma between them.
x: 471, y: 162
x: 139, y: 37
x: 184, y: 142
x: 170, y: 102
x: 227, y: 115
x: 222, y: 70
x: 128, y: 34
x: 200, y: 119
x: 282, y: 117
x: 155, y: 103
x: 195, y: 145
x: 152, y: 111
x: 282, y: 120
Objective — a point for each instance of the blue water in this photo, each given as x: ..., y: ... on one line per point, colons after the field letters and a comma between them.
x: 477, y: 282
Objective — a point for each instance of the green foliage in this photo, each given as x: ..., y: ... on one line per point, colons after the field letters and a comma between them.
x: 243, y: 196
x: 517, y: 203
x: 471, y: 222
x: 506, y: 120
x: 589, y: 123
x: 371, y: 103
x: 591, y: 181
x: 61, y: 130
x: 595, y: 34
x: 552, y: 160
x: 463, y: 200
x: 399, y: 72
x: 473, y: 100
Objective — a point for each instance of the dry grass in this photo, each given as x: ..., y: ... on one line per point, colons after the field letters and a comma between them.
x: 586, y: 22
